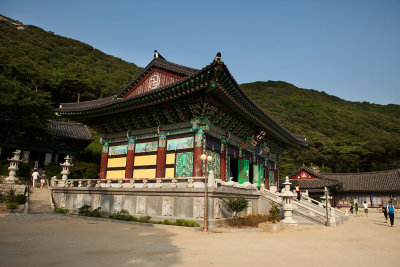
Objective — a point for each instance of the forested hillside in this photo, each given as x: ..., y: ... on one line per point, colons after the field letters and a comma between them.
x: 39, y: 69
x: 343, y: 136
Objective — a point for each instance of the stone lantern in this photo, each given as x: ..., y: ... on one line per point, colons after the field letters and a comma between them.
x: 288, y: 208
x: 14, y: 161
x: 65, y: 172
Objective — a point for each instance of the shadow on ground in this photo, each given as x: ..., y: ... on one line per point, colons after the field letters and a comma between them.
x: 55, y: 240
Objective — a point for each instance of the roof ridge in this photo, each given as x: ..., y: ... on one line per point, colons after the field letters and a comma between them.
x: 359, y: 173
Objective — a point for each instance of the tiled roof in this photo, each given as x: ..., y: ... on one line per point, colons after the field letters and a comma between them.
x: 380, y: 181
x: 69, y: 130
x: 162, y: 64
x: 181, y: 87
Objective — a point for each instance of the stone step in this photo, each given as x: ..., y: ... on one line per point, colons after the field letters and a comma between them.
x: 39, y: 200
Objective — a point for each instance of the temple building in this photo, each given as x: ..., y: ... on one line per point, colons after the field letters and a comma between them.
x: 160, y: 123
x: 373, y: 187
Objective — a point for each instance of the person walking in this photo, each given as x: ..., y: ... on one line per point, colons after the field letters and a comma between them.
x: 356, y: 209
x: 383, y: 209
x: 42, y: 179
x: 298, y: 192
x: 351, y: 208
x: 34, y: 177
x: 390, y: 209
x: 365, y: 204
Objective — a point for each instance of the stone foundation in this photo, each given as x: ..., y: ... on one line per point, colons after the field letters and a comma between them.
x: 159, y: 203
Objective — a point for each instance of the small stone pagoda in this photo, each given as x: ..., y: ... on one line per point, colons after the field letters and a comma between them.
x: 160, y: 123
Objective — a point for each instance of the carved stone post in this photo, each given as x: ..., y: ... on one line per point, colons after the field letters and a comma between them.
x: 65, y: 172
x: 14, y: 161
x: 288, y: 208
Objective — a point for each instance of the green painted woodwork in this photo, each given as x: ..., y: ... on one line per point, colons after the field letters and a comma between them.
x: 184, y: 164
x: 243, y: 166
x: 256, y: 174
x: 271, y: 177
x: 215, y: 164
x: 261, y: 174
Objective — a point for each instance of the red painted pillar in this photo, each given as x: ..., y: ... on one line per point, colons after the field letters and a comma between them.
x: 104, y: 161
x: 162, y: 143
x: 276, y: 175
x: 129, y: 159
x: 198, y: 150
x: 223, y: 159
x: 266, y: 174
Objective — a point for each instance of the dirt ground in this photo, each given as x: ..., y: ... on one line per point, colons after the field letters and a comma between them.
x: 57, y: 240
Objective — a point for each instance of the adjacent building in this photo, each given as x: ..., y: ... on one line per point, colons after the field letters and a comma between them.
x: 373, y: 187
x: 69, y: 139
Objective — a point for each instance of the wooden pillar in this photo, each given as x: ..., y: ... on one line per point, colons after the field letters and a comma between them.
x: 198, y: 150
x: 104, y: 161
x: 223, y: 159
x: 266, y: 170
x: 129, y: 158
x: 162, y: 143
x: 276, y: 173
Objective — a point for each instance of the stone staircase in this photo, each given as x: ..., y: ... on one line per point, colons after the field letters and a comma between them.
x: 306, y: 211
x: 39, y: 200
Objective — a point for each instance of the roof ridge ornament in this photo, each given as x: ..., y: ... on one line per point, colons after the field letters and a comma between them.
x: 218, y: 57
x: 158, y: 55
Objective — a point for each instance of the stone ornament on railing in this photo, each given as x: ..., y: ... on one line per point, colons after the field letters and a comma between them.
x: 174, y: 184
x: 158, y: 183
x: 145, y: 183
x: 80, y: 183
x: 132, y: 183
x: 120, y: 183
x: 190, y: 182
x: 109, y: 183
x: 98, y: 183
x: 14, y: 161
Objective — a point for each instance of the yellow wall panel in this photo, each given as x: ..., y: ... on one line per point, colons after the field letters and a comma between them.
x: 116, y: 162
x: 145, y: 160
x: 119, y: 174
x: 169, y: 172
x: 170, y: 159
x: 144, y: 173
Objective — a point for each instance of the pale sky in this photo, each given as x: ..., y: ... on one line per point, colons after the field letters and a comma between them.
x: 349, y: 49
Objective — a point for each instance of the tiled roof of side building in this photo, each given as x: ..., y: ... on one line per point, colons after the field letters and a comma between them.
x: 380, y: 181
x: 69, y: 130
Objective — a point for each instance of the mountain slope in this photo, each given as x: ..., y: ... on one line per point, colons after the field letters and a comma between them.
x: 344, y: 136
x: 65, y: 67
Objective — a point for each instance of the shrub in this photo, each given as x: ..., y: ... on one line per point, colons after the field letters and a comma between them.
x: 62, y: 211
x: 249, y: 221
x: 53, y: 169
x: 182, y: 222
x: 84, y: 170
x: 11, y: 205
x: 144, y: 219
x: 274, y: 213
x: 85, y: 211
x: 122, y: 215
x: 20, y: 199
x: 24, y: 170
x: 235, y: 205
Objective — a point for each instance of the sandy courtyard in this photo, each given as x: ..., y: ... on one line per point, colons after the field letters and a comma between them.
x: 56, y: 240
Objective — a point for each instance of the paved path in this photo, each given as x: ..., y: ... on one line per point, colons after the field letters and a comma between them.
x: 56, y: 240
